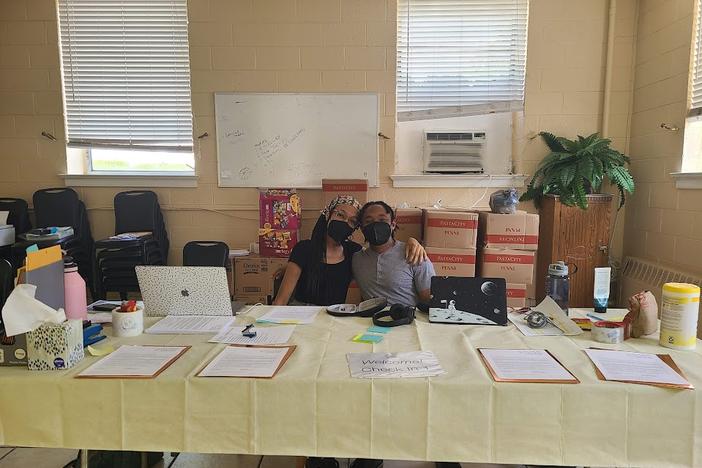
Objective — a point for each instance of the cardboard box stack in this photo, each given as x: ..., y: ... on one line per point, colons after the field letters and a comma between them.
x: 280, y: 219
x: 409, y: 223
x: 254, y: 276
x: 357, y: 188
x: 509, y: 243
x: 450, y: 239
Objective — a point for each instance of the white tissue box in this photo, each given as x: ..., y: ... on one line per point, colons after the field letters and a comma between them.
x: 55, y: 346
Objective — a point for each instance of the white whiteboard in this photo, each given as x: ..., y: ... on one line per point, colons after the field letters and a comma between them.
x: 295, y: 140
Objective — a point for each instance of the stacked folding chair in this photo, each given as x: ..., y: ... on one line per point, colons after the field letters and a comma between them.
x: 140, y: 239
x: 206, y: 253
x: 62, y: 207
x: 18, y: 214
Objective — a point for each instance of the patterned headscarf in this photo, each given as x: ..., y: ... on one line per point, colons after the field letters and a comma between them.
x: 340, y: 200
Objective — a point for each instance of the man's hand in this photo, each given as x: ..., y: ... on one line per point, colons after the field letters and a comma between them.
x: 414, y: 252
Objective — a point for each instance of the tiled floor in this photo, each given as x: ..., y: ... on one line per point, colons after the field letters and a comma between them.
x: 57, y: 458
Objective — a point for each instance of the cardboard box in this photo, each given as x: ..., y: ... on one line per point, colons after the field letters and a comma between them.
x: 55, y: 346
x: 516, y: 295
x: 509, y: 231
x: 515, y: 266
x: 451, y: 229
x: 277, y: 242
x: 409, y: 224
x: 251, y: 299
x: 13, y: 350
x: 254, y: 275
x: 357, y: 188
x: 452, y: 262
x: 279, y: 209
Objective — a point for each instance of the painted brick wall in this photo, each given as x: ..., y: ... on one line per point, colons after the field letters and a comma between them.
x: 290, y: 45
x: 662, y: 224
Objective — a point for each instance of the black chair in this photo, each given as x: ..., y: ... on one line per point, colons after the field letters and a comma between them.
x: 18, y: 214
x: 62, y: 207
x: 140, y: 239
x: 206, y: 253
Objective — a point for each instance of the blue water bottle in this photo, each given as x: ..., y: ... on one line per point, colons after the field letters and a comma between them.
x: 557, y: 284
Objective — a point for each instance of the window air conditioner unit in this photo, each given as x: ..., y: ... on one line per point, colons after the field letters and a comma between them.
x: 454, y: 152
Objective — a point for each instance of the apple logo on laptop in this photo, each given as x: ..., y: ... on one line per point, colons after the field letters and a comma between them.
x: 184, y: 293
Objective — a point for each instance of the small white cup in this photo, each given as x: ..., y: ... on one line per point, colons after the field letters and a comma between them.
x: 126, y: 324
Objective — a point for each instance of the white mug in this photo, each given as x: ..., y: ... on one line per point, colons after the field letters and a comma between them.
x: 127, y: 323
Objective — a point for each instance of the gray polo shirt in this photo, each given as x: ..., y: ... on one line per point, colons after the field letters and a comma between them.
x: 389, y: 275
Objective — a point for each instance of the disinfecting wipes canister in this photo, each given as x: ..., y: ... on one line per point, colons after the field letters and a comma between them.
x: 679, y: 310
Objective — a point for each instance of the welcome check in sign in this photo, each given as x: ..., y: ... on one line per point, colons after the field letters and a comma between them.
x: 393, y: 365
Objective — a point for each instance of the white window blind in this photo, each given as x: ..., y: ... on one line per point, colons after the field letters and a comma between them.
x: 460, y: 57
x: 126, y: 73
x: 696, y: 79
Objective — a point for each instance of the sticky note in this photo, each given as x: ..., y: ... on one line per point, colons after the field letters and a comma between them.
x: 101, y: 351
x: 32, y: 248
x: 366, y: 338
x: 376, y: 329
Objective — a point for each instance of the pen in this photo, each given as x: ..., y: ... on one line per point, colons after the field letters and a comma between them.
x: 599, y: 319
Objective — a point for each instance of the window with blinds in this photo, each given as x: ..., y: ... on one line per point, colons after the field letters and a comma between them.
x: 696, y: 78
x: 460, y: 57
x: 126, y: 76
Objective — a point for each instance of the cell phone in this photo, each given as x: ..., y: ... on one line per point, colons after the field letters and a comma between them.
x: 103, y: 307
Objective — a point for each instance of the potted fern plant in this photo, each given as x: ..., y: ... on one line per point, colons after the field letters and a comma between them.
x: 575, y: 218
x: 577, y: 168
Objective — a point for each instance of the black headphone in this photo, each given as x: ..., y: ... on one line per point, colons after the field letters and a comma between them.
x: 399, y: 315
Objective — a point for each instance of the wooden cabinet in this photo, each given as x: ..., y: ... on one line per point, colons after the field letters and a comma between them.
x: 577, y: 236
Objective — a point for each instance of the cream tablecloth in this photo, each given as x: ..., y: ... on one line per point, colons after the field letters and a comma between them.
x: 313, y: 407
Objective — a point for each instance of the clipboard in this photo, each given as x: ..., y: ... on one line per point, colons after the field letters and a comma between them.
x: 496, y: 378
x: 152, y: 376
x: 291, y: 349
x: 663, y: 357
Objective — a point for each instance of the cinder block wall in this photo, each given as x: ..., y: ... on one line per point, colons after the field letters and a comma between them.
x: 663, y: 223
x: 304, y: 46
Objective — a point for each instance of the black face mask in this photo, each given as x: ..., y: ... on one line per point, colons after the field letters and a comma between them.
x: 339, y: 230
x: 377, y: 233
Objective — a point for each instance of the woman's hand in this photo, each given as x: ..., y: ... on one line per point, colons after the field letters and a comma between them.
x: 414, y: 252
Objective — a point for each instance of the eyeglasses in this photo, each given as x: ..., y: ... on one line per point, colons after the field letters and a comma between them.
x: 341, y: 215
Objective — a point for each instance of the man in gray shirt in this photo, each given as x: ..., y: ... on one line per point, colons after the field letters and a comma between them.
x: 382, y: 270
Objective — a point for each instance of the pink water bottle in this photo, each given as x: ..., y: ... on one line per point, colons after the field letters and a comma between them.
x: 76, y: 301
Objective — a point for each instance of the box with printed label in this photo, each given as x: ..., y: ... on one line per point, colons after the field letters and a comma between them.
x: 277, y: 242
x: 450, y: 229
x: 509, y: 231
x: 516, y: 295
x: 357, y: 188
x: 279, y: 209
x: 515, y: 266
x: 254, y: 275
x: 13, y: 350
x: 409, y: 224
x: 54, y: 346
x: 452, y: 262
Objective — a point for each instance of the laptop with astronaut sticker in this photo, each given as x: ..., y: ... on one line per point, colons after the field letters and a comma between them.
x: 469, y: 301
